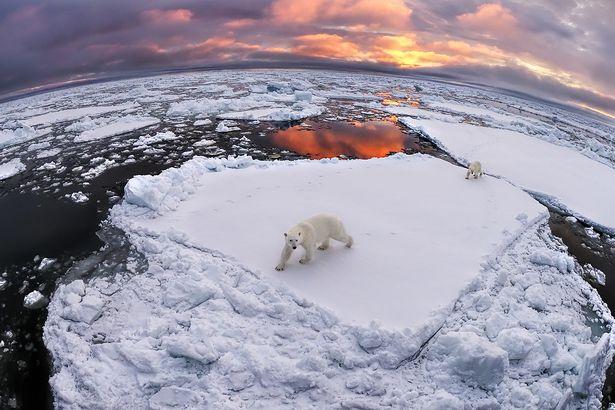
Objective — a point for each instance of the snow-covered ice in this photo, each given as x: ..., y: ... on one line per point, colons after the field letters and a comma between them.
x: 208, y: 327
x: 120, y: 126
x: 74, y: 113
x: 199, y: 123
x: 11, y: 168
x: 227, y: 126
x: 34, y: 300
x: 78, y: 197
x: 46, y: 263
x: 390, y: 282
x: 158, y: 137
x: 563, y: 176
x: 295, y: 112
x: 200, y: 328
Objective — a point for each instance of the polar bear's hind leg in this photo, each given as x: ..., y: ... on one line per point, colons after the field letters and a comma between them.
x: 342, y: 236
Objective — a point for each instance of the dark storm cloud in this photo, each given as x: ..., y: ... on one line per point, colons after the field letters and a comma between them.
x: 567, y: 45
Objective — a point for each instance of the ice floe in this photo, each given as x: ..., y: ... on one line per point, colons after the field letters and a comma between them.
x: 564, y: 177
x: 120, y: 126
x: 204, y: 326
x: 407, y: 288
x: 11, y: 168
x: 74, y: 113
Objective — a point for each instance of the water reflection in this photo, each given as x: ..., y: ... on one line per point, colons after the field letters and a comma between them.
x: 325, y: 140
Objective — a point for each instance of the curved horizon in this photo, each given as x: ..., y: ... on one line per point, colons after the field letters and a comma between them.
x: 555, y: 51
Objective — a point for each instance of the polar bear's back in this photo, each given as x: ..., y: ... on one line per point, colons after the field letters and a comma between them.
x: 325, y: 226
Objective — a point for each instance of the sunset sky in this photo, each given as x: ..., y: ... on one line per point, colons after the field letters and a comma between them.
x: 562, y: 49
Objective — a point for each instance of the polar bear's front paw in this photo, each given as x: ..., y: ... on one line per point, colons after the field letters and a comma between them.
x: 280, y: 267
x: 304, y: 260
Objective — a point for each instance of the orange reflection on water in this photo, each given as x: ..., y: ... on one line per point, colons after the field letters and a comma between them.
x: 389, y: 101
x: 360, y: 140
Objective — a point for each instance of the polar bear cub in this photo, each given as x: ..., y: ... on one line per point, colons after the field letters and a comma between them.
x: 475, y: 170
x: 314, y: 231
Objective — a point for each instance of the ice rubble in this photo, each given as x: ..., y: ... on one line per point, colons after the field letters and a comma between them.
x: 146, y: 140
x: 564, y: 177
x: 200, y: 329
x: 20, y: 134
x: 11, y: 168
x: 295, y: 112
x: 254, y: 106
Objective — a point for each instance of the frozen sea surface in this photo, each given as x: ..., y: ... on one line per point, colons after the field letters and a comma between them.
x: 201, y: 328
x: 410, y: 218
x: 353, y: 365
x: 566, y: 178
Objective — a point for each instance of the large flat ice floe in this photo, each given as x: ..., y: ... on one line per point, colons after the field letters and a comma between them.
x: 117, y: 127
x: 412, y: 255
x: 209, y: 324
x: 564, y: 177
x: 74, y: 113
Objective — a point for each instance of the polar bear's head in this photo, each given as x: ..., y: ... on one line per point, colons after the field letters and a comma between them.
x: 293, y: 238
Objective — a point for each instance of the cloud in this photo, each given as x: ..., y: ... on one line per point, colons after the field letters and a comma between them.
x: 167, y: 16
x: 328, y: 46
x: 560, y: 47
x: 490, y: 18
x: 391, y: 14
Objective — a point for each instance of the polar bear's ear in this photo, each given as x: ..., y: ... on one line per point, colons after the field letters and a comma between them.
x: 285, y: 234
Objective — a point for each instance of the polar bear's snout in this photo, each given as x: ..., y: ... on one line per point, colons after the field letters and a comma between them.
x: 293, y: 240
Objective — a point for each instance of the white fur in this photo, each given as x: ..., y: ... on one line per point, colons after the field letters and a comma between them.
x: 312, y: 232
x: 475, y: 170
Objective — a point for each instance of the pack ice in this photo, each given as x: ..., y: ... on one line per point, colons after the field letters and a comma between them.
x: 445, y: 301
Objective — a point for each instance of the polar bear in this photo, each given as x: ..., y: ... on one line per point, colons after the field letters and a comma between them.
x: 475, y: 170
x: 316, y: 230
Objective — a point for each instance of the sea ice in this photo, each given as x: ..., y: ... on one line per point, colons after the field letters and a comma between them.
x: 11, y: 168
x: 562, y: 176
x: 34, y: 300
x: 120, y: 126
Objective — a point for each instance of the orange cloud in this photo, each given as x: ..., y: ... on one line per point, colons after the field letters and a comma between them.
x: 471, y: 52
x: 239, y: 23
x: 490, y: 18
x: 401, y: 50
x: 223, y: 48
x: 167, y: 16
x: 327, y: 46
x: 372, y: 14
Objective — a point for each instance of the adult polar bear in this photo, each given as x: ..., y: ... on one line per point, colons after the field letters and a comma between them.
x: 311, y: 232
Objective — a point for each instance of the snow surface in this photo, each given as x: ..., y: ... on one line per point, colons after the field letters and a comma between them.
x: 11, y: 168
x: 200, y: 329
x: 566, y: 178
x: 393, y: 273
x: 74, y: 114
x: 120, y: 126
